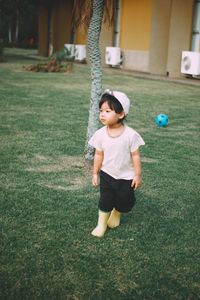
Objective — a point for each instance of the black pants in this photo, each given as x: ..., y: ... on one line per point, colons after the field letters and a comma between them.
x: 115, y: 193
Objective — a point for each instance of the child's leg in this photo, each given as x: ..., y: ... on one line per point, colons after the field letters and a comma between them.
x: 101, y: 227
x: 114, y: 219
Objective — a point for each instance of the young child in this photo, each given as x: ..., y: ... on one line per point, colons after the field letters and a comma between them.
x: 116, y: 161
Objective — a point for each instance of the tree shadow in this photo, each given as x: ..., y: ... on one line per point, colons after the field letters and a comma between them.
x: 19, y: 54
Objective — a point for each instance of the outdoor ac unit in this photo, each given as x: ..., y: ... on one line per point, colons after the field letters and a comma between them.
x: 80, y: 52
x: 71, y: 49
x: 190, y: 63
x: 113, y: 56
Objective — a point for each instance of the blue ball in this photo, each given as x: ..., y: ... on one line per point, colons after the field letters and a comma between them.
x: 162, y: 120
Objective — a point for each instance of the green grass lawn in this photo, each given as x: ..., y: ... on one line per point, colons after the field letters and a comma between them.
x: 48, y: 206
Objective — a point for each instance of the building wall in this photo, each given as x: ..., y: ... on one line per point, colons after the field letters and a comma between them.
x: 158, y: 54
x: 135, y: 33
x: 180, y: 33
x: 135, y: 24
x: 106, y: 40
x: 42, y: 30
x: 54, y: 28
x: 62, y: 24
x: 81, y: 36
x: 153, y: 33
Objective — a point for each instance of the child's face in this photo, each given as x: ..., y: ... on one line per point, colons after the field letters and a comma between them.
x: 108, y: 116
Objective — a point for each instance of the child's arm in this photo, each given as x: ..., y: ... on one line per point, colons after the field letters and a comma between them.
x: 137, y: 180
x: 98, y: 159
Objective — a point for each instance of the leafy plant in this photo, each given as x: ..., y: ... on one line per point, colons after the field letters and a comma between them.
x: 61, y: 61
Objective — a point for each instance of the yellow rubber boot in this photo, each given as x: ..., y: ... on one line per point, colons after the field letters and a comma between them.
x: 100, y: 230
x: 114, y: 219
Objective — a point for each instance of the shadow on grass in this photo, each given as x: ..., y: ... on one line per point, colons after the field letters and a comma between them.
x: 18, y: 55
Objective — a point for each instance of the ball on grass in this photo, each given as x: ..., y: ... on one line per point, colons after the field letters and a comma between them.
x: 162, y: 120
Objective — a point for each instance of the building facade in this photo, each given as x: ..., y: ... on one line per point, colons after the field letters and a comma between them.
x: 151, y: 34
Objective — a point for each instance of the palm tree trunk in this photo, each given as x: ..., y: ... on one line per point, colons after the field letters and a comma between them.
x: 96, y: 73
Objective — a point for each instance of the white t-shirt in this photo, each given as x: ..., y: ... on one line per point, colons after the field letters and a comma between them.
x: 117, y: 160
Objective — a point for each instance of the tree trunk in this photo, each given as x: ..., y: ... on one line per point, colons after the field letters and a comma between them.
x: 50, y: 30
x: 10, y: 32
x: 96, y: 73
x: 17, y: 27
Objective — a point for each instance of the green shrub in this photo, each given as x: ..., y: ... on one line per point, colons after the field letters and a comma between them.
x: 63, y: 55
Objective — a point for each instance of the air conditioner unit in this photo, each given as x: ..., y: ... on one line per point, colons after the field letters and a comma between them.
x: 113, y: 56
x: 190, y: 63
x: 80, y: 52
x: 71, y: 49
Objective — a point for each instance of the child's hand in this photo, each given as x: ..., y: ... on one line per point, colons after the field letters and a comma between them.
x: 137, y: 182
x: 95, y: 180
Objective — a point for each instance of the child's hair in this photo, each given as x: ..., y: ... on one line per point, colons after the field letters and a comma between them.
x: 113, y: 104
